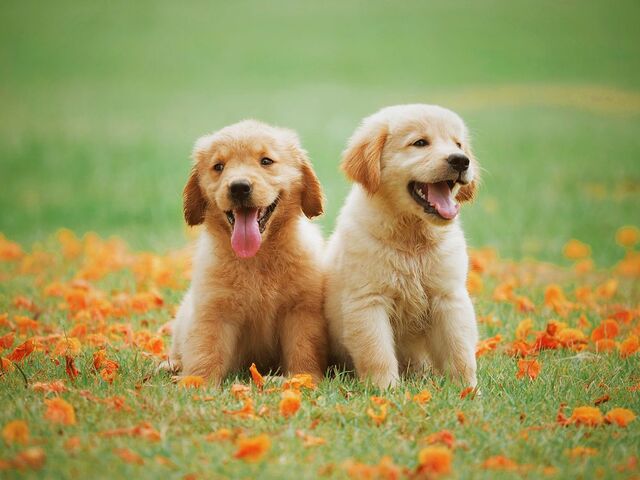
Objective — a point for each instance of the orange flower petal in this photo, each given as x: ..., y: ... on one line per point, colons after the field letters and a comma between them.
x: 620, y: 416
x: 499, y: 462
x: 576, y: 250
x: 628, y: 236
x: 220, y: 435
x: 129, y: 456
x: 488, y: 345
x: 191, y: 381
x: 22, y: 351
x: 16, y: 431
x: 434, y: 460
x: 529, y: 368
x: 60, y: 411
x: 445, y: 437
x: 67, y: 346
x: 524, y: 329
x: 258, y: 379
x: 629, y: 346
x: 301, y: 380
x: 33, y: 458
x: 423, y: 397
x: 607, y: 329
x: 290, y: 402
x: 247, y: 411
x: 6, y: 340
x: 605, y: 345
x: 589, y: 416
x: 252, y: 449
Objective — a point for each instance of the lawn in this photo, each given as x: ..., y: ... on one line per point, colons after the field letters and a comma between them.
x: 101, y: 104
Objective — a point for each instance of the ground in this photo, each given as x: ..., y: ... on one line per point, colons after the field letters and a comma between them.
x: 87, y: 322
x: 100, y: 107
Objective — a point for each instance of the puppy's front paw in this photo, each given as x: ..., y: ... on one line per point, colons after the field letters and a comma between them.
x: 169, y: 366
x: 384, y: 380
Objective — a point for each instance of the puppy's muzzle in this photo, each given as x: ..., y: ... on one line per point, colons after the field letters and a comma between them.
x: 459, y: 162
x: 240, y: 190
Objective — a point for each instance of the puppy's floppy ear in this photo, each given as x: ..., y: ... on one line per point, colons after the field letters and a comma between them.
x: 468, y: 192
x: 194, y: 202
x: 361, y: 160
x: 312, y: 199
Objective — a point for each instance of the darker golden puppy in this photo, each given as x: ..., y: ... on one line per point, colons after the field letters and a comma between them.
x: 256, y: 292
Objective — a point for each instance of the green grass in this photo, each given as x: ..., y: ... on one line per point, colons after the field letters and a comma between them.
x: 496, y: 422
x: 101, y: 103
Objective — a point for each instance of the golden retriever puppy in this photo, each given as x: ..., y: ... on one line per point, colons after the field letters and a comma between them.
x: 396, y: 265
x: 256, y: 291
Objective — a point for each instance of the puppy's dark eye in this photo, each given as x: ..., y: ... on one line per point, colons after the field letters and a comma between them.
x: 265, y: 161
x: 218, y: 167
x: 420, y: 143
x: 458, y: 144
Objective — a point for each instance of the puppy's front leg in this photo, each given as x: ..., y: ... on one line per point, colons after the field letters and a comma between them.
x: 453, y: 336
x: 209, y: 348
x: 303, y: 336
x: 368, y: 337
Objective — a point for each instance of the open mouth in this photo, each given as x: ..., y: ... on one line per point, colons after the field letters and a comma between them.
x: 248, y: 224
x: 436, y: 198
x: 262, y: 214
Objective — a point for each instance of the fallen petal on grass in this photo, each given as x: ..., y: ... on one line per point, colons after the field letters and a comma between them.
x: 252, y: 449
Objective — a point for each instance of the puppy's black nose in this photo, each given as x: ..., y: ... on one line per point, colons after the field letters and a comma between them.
x: 458, y: 162
x: 240, y: 189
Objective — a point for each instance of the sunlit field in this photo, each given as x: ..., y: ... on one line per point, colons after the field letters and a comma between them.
x: 101, y: 105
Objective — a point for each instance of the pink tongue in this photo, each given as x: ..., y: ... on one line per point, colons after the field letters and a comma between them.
x: 439, y: 195
x: 246, y: 239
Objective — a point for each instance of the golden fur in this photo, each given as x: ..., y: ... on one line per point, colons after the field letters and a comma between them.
x: 265, y: 309
x: 395, y: 274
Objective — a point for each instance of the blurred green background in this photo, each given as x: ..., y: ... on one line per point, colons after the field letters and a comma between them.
x: 102, y: 101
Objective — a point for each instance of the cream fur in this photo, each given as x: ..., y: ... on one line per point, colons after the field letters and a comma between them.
x: 395, y: 275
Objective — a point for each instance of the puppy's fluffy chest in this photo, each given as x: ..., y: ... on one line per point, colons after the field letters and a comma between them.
x: 257, y: 295
x: 417, y: 278
x: 412, y: 284
x: 255, y: 292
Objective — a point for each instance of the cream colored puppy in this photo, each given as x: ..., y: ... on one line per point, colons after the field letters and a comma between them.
x: 396, y: 266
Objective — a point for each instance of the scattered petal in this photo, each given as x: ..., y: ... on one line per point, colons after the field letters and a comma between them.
x: 576, y: 250
x: 628, y: 236
x: 252, y: 449
x: 290, y: 403
x: 129, y: 456
x: 499, y: 462
x: 60, y: 411
x: 445, y: 437
x: 620, y: 416
x: 423, y: 397
x: 258, y: 379
x: 191, y: 381
x: 33, y: 458
x: 528, y: 368
x: 434, y: 460
x: 16, y: 431
x: 589, y: 416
